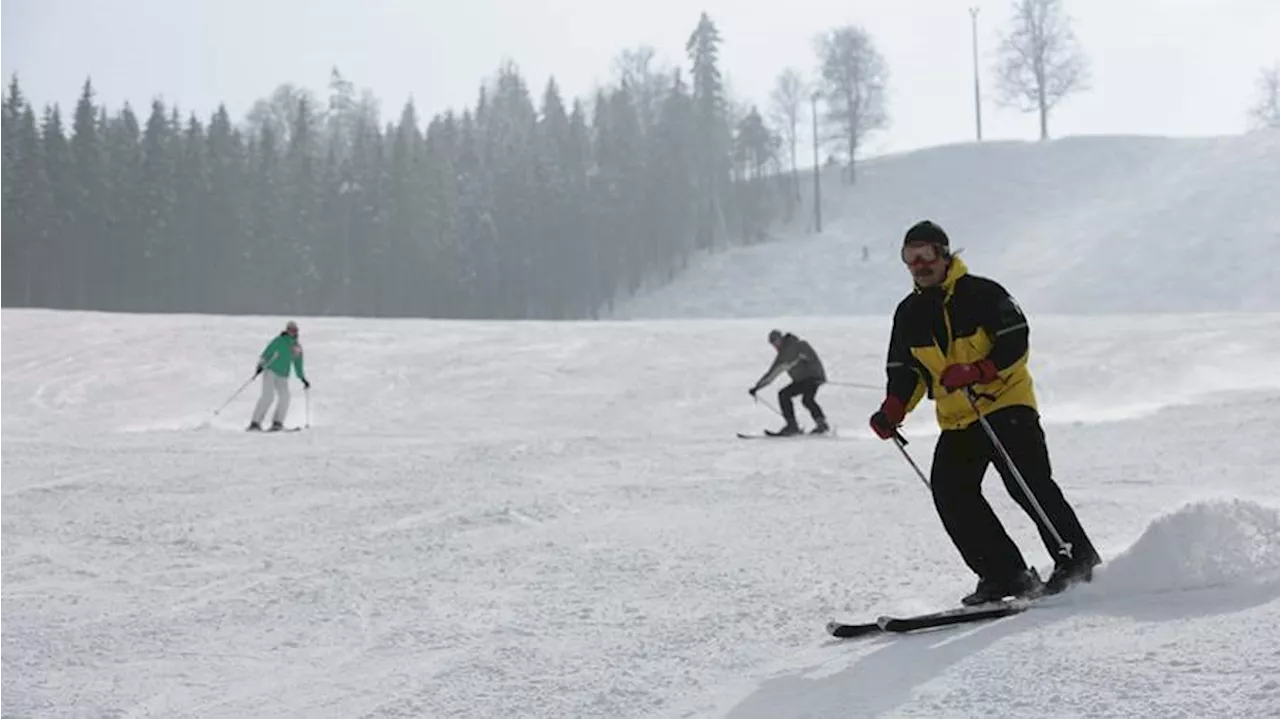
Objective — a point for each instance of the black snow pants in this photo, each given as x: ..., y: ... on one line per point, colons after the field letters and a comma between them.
x: 960, y: 461
x: 807, y: 389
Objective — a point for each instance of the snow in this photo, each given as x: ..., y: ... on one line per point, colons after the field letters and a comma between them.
x: 554, y: 519
x: 1077, y: 225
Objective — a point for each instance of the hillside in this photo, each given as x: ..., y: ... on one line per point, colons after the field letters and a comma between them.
x: 1081, y: 225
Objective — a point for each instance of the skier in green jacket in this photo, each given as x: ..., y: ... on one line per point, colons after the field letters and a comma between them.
x: 281, y: 353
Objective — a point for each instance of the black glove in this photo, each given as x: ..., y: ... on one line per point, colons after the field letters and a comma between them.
x: 753, y: 391
x: 257, y: 371
x: 306, y: 384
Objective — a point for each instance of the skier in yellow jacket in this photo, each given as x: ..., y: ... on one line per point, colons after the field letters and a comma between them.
x: 958, y: 332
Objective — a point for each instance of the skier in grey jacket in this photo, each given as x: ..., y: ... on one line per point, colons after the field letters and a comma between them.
x: 798, y: 359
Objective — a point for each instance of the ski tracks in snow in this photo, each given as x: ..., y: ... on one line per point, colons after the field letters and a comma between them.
x: 599, y: 546
x: 1207, y: 574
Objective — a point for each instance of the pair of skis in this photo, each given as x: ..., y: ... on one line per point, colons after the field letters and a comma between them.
x: 932, y: 620
x: 802, y: 435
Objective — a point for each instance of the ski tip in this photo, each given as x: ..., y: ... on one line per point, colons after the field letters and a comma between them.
x: 840, y: 630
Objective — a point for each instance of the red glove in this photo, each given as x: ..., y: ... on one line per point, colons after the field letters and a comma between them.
x: 963, y: 375
x: 885, y: 421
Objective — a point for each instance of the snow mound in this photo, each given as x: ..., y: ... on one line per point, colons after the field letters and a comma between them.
x: 1212, y: 543
x: 1227, y: 548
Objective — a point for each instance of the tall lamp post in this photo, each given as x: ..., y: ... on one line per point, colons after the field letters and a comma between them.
x: 347, y: 187
x: 977, y: 90
x: 817, y: 168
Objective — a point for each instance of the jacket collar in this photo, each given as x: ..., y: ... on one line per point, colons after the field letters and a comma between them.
x: 955, y: 271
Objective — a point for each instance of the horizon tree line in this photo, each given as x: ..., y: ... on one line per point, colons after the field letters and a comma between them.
x: 515, y: 207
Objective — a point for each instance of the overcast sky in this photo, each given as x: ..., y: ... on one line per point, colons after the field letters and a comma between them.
x: 1172, y: 67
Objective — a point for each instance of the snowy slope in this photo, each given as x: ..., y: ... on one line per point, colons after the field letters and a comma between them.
x: 1077, y: 225
x: 542, y: 519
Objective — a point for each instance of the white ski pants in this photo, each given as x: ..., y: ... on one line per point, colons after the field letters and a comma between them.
x: 272, y: 384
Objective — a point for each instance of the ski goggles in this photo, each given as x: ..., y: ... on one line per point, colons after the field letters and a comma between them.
x: 920, y: 254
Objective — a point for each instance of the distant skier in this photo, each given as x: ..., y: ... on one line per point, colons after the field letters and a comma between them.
x: 798, y: 359
x: 281, y: 353
x: 955, y: 331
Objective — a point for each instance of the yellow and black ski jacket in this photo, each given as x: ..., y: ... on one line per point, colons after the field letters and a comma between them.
x: 965, y: 319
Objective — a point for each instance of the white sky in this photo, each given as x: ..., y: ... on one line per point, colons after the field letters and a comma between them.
x: 1176, y: 67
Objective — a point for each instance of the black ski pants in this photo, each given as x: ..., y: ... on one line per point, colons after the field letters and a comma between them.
x: 960, y: 461
x: 807, y: 389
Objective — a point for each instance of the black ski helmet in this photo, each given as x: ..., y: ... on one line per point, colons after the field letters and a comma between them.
x: 775, y: 336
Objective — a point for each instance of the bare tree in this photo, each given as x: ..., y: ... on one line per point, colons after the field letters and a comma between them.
x: 647, y: 80
x: 788, y: 101
x: 348, y: 115
x: 1040, y: 62
x: 280, y: 111
x: 1267, y: 112
x: 854, y: 75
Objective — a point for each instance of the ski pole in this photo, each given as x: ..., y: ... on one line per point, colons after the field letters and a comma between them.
x: 247, y: 382
x: 306, y: 392
x: 901, y: 443
x: 857, y: 385
x: 766, y: 403
x: 235, y: 394
x: 1063, y: 546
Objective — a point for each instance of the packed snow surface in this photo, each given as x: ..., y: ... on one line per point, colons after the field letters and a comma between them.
x: 555, y: 519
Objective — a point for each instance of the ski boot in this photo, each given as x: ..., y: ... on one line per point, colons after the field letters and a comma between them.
x: 788, y: 430
x: 1070, y: 573
x: 821, y: 428
x: 253, y: 427
x: 1024, y: 585
x: 276, y: 426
